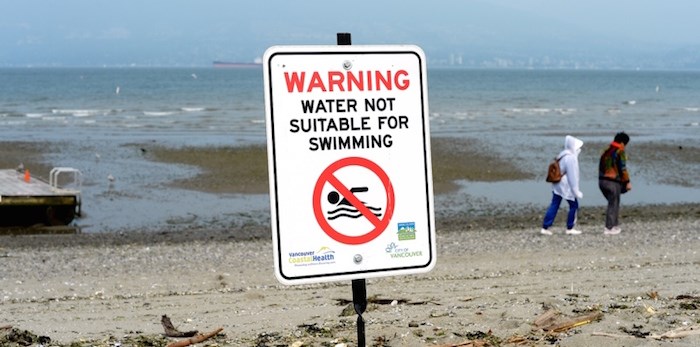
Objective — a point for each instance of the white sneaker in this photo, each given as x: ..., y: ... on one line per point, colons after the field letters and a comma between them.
x: 573, y: 232
x: 612, y: 231
x: 544, y: 231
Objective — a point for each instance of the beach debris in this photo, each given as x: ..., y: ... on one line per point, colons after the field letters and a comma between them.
x: 654, y: 295
x: 678, y: 333
x: 373, y: 301
x: 196, y: 339
x: 688, y: 302
x: 192, y: 336
x: 599, y: 333
x: 547, y: 318
x: 552, y: 321
x: 15, y: 337
x: 672, y: 334
x: 267, y: 337
x: 687, y: 297
x: 171, y: 331
x: 636, y: 331
x: 348, y: 310
x: 649, y: 310
x: 313, y: 329
x: 393, y: 302
x: 477, y: 339
x: 475, y: 343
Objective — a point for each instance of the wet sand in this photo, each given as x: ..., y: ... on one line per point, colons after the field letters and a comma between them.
x: 453, y: 160
x: 495, y: 275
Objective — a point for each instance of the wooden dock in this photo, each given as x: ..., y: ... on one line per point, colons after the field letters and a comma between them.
x: 29, y: 201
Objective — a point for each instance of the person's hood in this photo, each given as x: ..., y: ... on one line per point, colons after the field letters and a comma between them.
x: 572, y: 144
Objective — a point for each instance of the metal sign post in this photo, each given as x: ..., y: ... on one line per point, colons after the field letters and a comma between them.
x: 359, y: 286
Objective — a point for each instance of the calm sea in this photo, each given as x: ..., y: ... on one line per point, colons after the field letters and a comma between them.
x: 521, y: 113
x: 67, y: 103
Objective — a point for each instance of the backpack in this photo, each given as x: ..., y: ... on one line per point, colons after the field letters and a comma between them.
x: 553, y: 172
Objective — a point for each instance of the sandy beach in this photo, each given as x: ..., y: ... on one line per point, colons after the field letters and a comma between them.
x: 489, y: 285
x: 495, y: 282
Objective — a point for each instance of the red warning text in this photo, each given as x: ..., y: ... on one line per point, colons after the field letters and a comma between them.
x: 346, y: 81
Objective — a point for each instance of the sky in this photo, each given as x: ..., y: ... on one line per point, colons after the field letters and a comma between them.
x: 472, y: 33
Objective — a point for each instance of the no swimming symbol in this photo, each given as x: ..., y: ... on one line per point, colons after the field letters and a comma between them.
x: 347, y: 204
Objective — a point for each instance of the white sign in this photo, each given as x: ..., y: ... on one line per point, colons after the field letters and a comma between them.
x: 348, y: 142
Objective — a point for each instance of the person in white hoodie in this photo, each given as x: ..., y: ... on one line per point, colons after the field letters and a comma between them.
x: 567, y: 188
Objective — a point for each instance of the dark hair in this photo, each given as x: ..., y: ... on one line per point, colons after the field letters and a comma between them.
x: 621, y: 137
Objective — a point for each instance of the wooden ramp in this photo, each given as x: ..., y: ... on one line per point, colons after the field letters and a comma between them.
x: 28, y: 201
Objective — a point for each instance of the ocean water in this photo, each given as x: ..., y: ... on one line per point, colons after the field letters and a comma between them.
x: 92, y: 112
x: 65, y: 103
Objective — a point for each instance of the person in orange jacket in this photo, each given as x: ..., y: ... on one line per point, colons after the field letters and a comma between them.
x: 614, y: 180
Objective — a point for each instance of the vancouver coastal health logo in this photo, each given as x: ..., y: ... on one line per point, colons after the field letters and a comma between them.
x: 324, y: 255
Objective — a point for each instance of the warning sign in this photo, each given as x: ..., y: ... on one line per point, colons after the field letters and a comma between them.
x: 349, y: 160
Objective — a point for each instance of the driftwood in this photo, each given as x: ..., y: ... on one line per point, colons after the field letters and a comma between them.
x: 195, y: 339
x: 547, y: 318
x: 598, y: 333
x: 678, y: 333
x: 550, y: 322
x: 472, y: 343
x: 672, y: 334
x: 171, y: 331
x: 576, y: 322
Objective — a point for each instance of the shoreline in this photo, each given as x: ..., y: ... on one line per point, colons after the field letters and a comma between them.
x: 525, y: 219
x: 234, y: 182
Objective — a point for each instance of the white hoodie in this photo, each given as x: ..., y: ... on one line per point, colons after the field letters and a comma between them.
x: 568, y: 187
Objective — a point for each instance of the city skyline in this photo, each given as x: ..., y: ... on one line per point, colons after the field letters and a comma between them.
x: 624, y: 34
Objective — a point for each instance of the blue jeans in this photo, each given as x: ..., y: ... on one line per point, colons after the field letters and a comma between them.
x: 554, y: 207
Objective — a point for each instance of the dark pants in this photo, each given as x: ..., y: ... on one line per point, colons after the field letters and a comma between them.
x: 554, y: 208
x: 611, y: 191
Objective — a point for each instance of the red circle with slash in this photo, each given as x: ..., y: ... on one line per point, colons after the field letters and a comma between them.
x: 328, y: 176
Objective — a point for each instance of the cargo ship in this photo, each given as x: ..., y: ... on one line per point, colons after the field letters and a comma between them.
x: 227, y: 64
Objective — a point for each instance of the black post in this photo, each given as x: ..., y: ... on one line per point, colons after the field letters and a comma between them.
x: 359, y: 287
x: 359, y: 300
x: 344, y: 39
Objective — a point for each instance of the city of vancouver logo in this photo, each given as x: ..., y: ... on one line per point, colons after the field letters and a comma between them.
x: 396, y: 251
x: 324, y: 255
